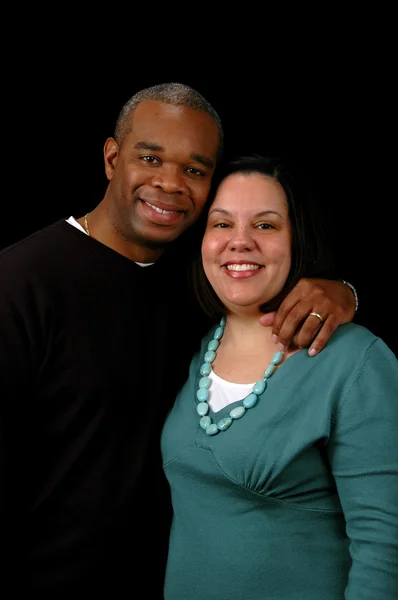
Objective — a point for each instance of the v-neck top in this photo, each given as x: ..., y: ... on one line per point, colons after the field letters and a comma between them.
x: 298, y: 499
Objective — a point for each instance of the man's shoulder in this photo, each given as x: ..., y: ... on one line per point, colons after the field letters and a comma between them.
x: 39, y: 242
x: 38, y: 255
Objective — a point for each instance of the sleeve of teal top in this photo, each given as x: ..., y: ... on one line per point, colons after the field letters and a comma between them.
x: 363, y: 453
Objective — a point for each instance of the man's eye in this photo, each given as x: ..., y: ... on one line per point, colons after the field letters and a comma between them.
x: 221, y: 225
x: 194, y: 171
x: 149, y: 159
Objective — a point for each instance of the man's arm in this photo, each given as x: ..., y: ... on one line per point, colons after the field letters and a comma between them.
x: 311, y: 313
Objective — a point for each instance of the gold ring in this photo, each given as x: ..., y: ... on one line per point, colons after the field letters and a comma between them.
x: 314, y: 314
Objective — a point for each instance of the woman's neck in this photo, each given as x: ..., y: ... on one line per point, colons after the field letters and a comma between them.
x: 245, y: 349
x: 247, y: 333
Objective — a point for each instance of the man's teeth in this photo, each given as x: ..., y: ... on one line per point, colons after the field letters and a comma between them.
x: 159, y: 210
x: 247, y: 267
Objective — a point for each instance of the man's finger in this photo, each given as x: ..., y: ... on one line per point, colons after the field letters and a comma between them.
x: 322, y: 337
x: 267, y: 319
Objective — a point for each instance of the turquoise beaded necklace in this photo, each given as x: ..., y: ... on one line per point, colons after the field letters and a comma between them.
x: 202, y: 394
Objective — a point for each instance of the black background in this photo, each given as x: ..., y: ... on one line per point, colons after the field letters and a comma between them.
x: 331, y: 108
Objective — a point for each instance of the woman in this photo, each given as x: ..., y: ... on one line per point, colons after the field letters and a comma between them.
x: 284, y: 471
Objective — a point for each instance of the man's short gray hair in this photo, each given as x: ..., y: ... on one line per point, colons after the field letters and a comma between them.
x: 169, y: 93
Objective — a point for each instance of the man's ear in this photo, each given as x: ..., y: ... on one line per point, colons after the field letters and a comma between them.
x: 111, y: 153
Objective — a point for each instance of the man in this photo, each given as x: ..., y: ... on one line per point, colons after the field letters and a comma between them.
x: 95, y: 321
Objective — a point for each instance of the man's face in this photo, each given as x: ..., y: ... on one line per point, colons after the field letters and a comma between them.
x: 160, y: 176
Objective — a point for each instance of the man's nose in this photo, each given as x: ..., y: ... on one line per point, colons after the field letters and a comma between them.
x: 170, y: 179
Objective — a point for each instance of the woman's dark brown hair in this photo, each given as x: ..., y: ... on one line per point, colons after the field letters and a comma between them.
x: 311, y: 252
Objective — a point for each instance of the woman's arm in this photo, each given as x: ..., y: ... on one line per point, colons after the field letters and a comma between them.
x: 363, y: 453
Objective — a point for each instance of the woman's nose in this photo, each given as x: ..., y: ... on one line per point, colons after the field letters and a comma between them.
x: 241, y: 240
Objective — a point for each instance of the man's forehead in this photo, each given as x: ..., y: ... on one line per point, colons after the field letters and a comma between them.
x: 152, y: 113
x: 161, y: 127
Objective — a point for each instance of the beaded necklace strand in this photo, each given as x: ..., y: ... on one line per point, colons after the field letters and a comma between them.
x: 202, y: 394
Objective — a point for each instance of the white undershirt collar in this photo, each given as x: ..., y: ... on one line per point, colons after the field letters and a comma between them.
x: 72, y: 221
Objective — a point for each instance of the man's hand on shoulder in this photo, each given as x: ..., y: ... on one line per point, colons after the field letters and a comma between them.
x: 311, y: 313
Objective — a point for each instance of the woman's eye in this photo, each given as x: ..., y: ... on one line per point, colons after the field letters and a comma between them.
x: 265, y: 226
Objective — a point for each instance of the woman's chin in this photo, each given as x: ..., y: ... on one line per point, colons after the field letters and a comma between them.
x: 244, y: 308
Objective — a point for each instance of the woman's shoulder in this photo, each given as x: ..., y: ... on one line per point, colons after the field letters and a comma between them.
x: 353, y: 344
x: 353, y: 334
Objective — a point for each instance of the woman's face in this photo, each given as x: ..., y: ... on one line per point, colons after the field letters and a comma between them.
x: 246, y: 248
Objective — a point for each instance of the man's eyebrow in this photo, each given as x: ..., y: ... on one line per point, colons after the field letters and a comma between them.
x: 148, y: 146
x: 203, y: 160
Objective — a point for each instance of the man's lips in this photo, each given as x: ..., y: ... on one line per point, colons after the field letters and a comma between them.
x: 162, y: 215
x: 162, y: 208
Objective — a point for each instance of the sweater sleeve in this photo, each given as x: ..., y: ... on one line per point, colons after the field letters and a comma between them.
x: 16, y: 376
x: 20, y: 347
x: 363, y: 453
